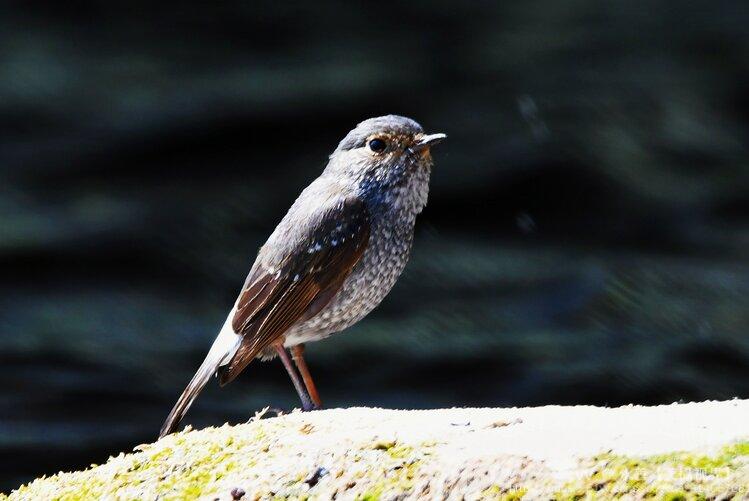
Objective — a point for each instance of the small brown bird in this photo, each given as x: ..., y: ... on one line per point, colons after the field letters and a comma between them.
x: 333, y: 257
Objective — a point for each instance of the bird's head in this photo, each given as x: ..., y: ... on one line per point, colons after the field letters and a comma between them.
x: 385, y: 153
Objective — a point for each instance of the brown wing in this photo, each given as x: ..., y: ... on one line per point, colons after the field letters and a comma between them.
x: 297, y: 284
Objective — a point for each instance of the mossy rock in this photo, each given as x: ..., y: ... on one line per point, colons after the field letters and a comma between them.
x: 373, y: 454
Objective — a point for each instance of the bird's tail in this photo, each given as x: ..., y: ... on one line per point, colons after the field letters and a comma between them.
x: 223, y: 349
x: 205, y: 371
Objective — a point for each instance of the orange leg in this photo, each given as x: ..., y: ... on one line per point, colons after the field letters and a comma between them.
x: 307, y: 403
x: 297, y: 353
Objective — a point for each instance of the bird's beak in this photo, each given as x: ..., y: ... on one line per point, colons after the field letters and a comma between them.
x: 427, y: 141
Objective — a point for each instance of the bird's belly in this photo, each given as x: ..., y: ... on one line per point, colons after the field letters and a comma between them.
x: 363, y: 290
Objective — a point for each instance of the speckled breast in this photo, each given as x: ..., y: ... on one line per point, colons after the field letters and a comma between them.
x: 369, y: 282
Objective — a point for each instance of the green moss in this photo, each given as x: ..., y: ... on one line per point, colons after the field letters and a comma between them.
x: 675, y: 476
x: 197, y: 464
x: 182, y: 466
x: 369, y: 496
x: 393, y: 481
x: 400, y: 451
x: 394, y: 473
x: 498, y: 493
x: 675, y: 496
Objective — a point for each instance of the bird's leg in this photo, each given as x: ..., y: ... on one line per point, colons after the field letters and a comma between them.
x: 297, y: 353
x: 307, y: 404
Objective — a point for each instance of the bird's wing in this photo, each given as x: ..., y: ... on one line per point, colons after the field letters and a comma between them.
x: 295, y: 284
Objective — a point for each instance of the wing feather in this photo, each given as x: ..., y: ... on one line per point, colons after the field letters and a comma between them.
x: 301, y: 281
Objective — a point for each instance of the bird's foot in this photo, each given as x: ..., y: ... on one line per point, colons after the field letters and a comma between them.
x: 310, y: 406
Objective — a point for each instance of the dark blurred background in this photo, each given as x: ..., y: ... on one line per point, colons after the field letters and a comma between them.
x: 585, y: 241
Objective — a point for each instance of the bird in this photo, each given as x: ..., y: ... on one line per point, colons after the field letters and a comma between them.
x: 331, y: 260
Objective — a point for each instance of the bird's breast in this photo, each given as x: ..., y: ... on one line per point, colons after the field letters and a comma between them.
x: 371, y: 279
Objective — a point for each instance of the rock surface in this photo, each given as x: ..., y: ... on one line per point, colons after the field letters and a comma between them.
x: 678, y: 451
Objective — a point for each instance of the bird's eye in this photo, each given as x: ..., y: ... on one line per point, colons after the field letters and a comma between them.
x: 377, y: 145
